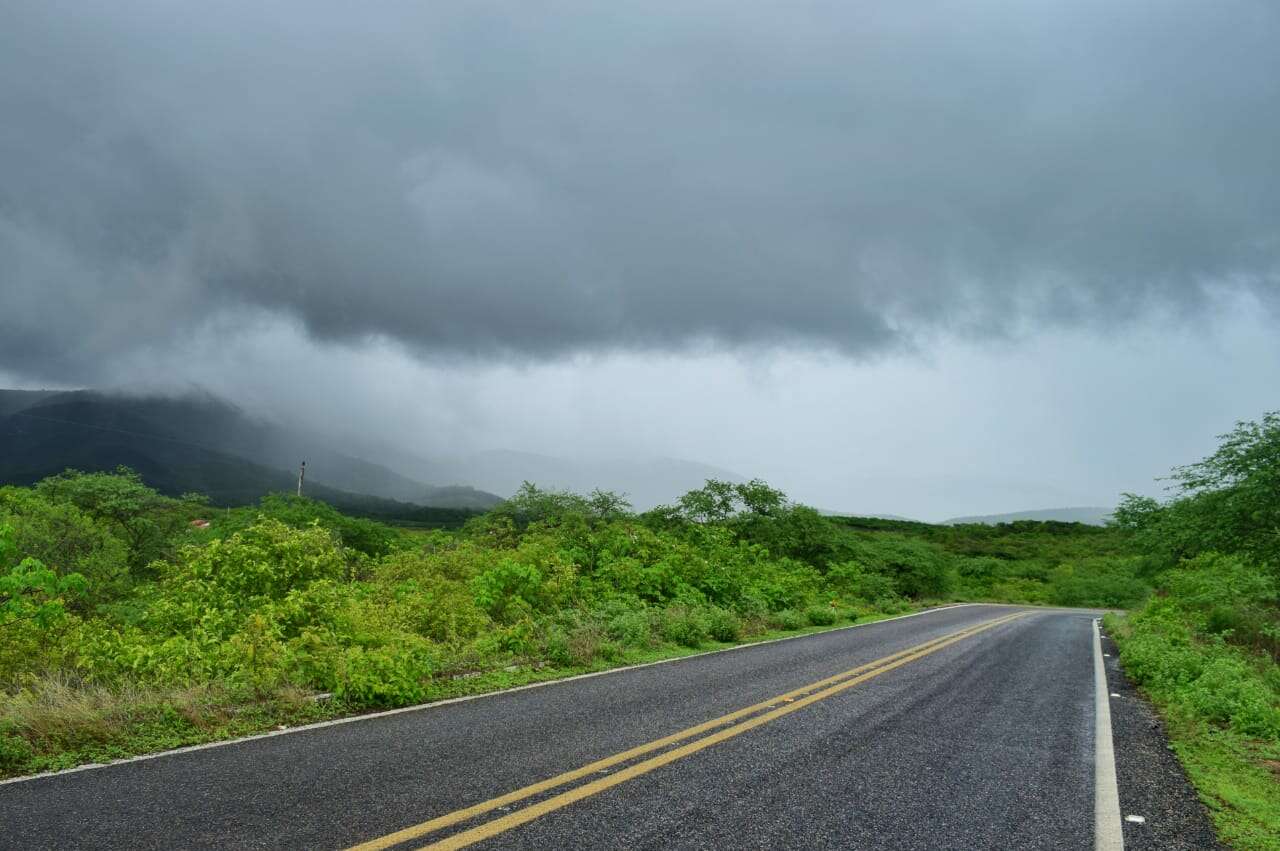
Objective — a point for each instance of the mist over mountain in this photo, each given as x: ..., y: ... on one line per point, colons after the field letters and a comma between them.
x: 199, y: 442
x: 1092, y: 514
x: 194, y: 442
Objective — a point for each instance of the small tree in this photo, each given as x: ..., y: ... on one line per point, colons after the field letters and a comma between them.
x: 532, y: 504
x: 144, y: 519
x: 1240, y: 481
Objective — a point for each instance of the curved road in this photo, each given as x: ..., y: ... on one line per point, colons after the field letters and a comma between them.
x: 966, y: 727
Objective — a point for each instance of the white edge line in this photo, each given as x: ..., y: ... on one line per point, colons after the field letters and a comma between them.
x: 1108, y: 831
x: 418, y: 707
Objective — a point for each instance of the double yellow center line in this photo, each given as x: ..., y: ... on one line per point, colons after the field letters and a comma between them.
x: 755, y: 715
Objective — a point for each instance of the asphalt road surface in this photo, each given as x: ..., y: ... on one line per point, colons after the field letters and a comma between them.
x: 968, y: 727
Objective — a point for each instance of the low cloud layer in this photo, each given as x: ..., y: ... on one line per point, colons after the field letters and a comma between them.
x: 1067, y: 418
x: 534, y: 180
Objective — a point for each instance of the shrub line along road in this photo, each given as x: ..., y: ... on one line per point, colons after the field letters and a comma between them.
x: 965, y: 727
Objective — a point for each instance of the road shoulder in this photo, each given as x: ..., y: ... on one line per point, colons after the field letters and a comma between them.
x: 1152, y: 783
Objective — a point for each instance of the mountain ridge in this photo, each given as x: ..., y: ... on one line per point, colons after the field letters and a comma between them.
x: 1092, y: 515
x: 195, y: 442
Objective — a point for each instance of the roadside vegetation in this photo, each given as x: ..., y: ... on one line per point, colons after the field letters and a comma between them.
x: 1205, y: 647
x: 131, y: 621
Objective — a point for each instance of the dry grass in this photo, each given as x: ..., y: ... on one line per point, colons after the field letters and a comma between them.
x: 56, y: 712
x: 585, y: 642
x: 55, y: 721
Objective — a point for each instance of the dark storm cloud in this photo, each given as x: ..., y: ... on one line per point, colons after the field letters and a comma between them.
x: 540, y: 178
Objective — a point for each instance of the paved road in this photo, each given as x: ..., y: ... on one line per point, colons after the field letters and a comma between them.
x: 965, y: 728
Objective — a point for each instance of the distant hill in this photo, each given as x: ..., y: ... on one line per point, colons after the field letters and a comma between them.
x: 1093, y: 515
x: 860, y: 515
x: 646, y: 482
x: 197, y: 443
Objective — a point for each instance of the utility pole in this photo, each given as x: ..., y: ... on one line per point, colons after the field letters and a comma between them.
x: 302, y: 474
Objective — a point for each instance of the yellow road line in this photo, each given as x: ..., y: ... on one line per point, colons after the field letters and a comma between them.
x: 794, y: 700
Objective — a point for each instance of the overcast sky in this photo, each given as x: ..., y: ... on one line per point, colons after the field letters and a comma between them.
x: 930, y: 258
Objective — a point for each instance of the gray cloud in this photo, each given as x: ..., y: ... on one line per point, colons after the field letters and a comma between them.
x: 501, y: 179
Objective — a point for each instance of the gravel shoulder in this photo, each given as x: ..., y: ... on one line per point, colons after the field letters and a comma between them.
x: 1152, y: 783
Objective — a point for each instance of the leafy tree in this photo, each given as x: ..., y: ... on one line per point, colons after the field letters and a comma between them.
x: 714, y: 502
x: 1135, y: 513
x: 1240, y: 481
x: 147, y: 521
x: 532, y: 504
x: 608, y: 506
x: 757, y: 497
x: 1228, y: 502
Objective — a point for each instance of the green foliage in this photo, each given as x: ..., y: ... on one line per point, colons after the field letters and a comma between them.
x: 510, y: 590
x: 144, y: 520
x: 1205, y: 648
x: 820, y: 615
x: 790, y: 619
x: 291, y: 597
x: 67, y: 540
x: 684, y: 625
x: 723, y: 625
x: 852, y: 581
x: 1228, y: 502
x: 365, y: 536
x: 1110, y: 583
x: 532, y: 504
x: 631, y: 627
x: 31, y: 593
x: 918, y: 569
x: 268, y: 559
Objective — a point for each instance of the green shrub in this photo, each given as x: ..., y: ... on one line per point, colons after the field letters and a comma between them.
x: 14, y: 749
x: 1160, y: 659
x: 383, y: 676
x: 891, y: 605
x: 586, y: 641
x: 851, y: 580
x: 611, y: 651
x: 555, y: 648
x: 1224, y: 619
x: 723, y: 625
x: 267, y: 559
x: 509, y: 590
x: 1227, y: 691
x: 632, y: 628
x: 918, y: 568
x: 1106, y: 583
x: 790, y: 619
x: 820, y: 615
x: 684, y: 625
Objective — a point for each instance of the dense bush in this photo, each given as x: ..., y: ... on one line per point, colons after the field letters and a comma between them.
x: 1110, y: 583
x: 918, y: 568
x: 1163, y: 651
